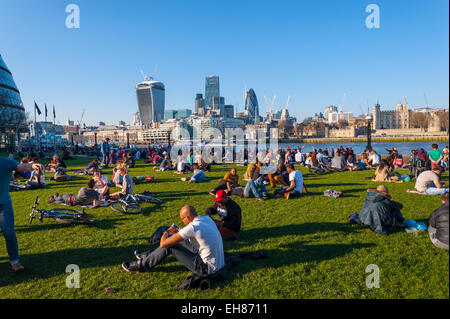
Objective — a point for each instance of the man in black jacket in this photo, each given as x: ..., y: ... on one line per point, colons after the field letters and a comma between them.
x: 229, y: 211
x: 438, y: 228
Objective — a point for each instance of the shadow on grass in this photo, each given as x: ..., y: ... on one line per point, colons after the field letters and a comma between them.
x: 101, y: 224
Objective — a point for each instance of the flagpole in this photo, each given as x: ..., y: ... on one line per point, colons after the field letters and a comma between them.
x: 54, y: 129
x: 35, y: 130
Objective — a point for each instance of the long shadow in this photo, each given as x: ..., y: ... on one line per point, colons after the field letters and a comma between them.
x: 101, y: 224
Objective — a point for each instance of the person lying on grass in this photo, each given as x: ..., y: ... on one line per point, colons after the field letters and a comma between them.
x: 229, y: 211
x: 379, y: 212
x: 438, y: 224
x: 197, y: 176
x: 86, y: 196
x: 126, y: 185
x: 295, y: 188
x: 198, y: 246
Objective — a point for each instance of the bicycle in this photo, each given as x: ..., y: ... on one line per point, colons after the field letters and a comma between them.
x: 130, y: 204
x: 62, y: 215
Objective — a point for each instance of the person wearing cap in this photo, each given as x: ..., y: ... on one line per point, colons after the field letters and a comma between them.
x: 229, y: 211
x: 105, y: 149
x: 198, y: 246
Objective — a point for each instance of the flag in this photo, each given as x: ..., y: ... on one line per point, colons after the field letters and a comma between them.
x: 54, y: 114
x: 37, y: 108
x: 46, y: 110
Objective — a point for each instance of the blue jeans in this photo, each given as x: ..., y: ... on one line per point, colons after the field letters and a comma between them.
x: 7, y: 227
x: 255, y: 188
x: 200, y: 176
x: 433, y: 190
x: 105, y: 159
x: 184, y: 252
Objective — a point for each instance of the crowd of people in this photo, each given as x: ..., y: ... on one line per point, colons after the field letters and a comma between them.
x: 199, y: 245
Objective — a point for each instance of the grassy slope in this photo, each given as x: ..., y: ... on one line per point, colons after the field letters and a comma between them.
x: 312, y: 251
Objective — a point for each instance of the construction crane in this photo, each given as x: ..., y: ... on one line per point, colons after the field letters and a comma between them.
x: 343, y: 101
x: 288, y: 100
x: 426, y: 101
x: 82, y: 115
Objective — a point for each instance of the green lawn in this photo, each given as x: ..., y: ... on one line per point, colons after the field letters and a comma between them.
x: 312, y: 252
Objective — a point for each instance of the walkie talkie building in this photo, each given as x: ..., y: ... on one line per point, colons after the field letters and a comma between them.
x: 151, y: 98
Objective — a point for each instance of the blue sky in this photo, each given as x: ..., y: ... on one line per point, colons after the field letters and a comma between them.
x: 314, y: 51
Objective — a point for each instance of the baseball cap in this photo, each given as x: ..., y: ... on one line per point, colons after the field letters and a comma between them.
x: 220, y: 195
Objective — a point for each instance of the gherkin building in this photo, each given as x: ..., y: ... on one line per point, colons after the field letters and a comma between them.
x: 12, y: 112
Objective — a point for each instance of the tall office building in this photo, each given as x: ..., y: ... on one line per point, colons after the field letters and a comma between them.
x: 251, y: 107
x: 211, y: 89
x: 199, y: 103
x: 151, y: 98
x: 228, y: 111
x: 218, y: 103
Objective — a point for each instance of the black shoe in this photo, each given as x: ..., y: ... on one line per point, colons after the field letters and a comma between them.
x: 133, y: 267
x: 139, y: 255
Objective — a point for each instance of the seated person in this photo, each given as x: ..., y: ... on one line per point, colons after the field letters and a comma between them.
x: 438, y: 224
x: 55, y: 164
x: 92, y: 166
x: 295, y: 188
x: 126, y: 184
x: 229, y: 211
x: 197, y: 176
x: 198, y: 246
x: 86, y: 196
x: 338, y: 161
x: 250, y: 170
x: 165, y: 165
x: 351, y: 162
x: 385, y: 172
x: 280, y: 176
x: 129, y: 160
x: 398, y: 161
x: 363, y: 162
x: 37, y: 178
x: 374, y: 159
x: 256, y: 188
x: 428, y: 182
x: 101, y: 184
x: 229, y: 181
x: 113, y: 157
x: 379, y: 212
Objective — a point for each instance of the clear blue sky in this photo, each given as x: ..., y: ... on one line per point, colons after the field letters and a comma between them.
x: 314, y: 51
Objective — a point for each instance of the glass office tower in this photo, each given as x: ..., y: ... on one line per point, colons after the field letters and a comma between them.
x: 151, y: 98
x: 12, y: 112
x: 251, y: 106
x: 211, y: 89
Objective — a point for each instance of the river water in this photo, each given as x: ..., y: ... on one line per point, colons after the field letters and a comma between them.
x: 404, y: 148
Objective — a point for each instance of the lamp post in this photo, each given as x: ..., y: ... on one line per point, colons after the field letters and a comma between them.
x: 369, y: 132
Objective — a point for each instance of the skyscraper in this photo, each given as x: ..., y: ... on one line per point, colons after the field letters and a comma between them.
x: 251, y: 107
x: 199, y: 103
x: 151, y: 98
x: 211, y: 89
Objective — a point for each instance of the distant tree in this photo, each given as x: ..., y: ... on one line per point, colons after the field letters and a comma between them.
x: 420, y: 120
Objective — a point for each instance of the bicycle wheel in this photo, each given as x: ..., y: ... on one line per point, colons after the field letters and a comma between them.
x: 126, y: 209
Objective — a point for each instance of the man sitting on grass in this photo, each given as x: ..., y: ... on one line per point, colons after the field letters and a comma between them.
x: 428, y: 182
x: 229, y: 181
x: 379, y: 212
x: 197, y: 176
x: 438, y: 224
x: 295, y: 188
x: 229, y: 211
x: 86, y: 196
x: 198, y: 246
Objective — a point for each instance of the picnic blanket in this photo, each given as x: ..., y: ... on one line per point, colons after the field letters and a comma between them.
x: 331, y: 193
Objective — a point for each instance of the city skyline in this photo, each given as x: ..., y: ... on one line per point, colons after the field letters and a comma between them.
x: 294, y: 52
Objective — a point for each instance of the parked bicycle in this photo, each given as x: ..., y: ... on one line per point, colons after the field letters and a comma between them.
x: 61, y: 215
x: 130, y: 204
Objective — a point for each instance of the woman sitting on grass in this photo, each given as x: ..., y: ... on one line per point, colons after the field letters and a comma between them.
x: 363, y: 162
x: 385, y: 172
x: 37, y: 178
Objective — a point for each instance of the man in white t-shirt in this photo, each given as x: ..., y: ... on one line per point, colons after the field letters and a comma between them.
x: 198, y: 246
x: 296, y: 184
x: 374, y: 159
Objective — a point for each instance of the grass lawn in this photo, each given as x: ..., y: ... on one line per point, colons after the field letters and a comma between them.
x: 312, y: 252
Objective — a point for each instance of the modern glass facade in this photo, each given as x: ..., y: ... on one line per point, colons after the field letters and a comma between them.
x: 211, y: 89
x: 251, y: 106
x: 12, y: 112
x: 151, y: 98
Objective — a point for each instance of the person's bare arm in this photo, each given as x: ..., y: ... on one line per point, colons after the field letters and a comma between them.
x: 167, y: 241
x: 291, y: 187
x: 25, y: 167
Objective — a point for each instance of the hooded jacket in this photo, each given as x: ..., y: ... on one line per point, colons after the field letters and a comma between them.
x: 439, y: 221
x: 378, y: 212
